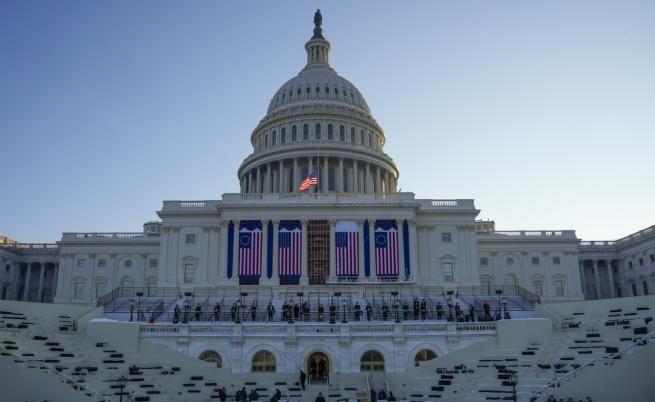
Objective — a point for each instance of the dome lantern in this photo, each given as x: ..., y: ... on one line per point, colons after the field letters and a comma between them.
x: 318, y: 48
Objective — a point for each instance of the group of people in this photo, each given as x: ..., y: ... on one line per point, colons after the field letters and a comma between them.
x: 569, y: 399
x: 294, y: 312
x: 382, y: 396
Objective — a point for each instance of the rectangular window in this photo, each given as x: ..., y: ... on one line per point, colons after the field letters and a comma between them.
x: 559, y: 287
x: 102, y: 263
x: 445, y: 237
x: 645, y: 286
x: 78, y: 289
x: 448, y: 272
x: 652, y: 258
x: 630, y: 264
x: 484, y: 261
x: 556, y: 261
x: 538, y: 286
x: 535, y: 260
x: 154, y: 263
x: 190, y: 239
x: 634, y: 289
x: 81, y: 263
x: 188, y: 273
x: 641, y: 261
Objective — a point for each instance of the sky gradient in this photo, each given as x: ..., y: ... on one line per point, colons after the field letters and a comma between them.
x: 543, y: 112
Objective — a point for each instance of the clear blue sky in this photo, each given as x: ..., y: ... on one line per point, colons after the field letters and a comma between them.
x: 543, y: 112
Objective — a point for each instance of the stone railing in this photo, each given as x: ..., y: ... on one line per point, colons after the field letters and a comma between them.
x: 529, y: 234
x: 31, y: 246
x: 316, y: 197
x: 190, y: 206
x: 113, y: 236
x: 368, y: 280
x: 447, y: 204
x: 594, y: 245
x: 278, y: 329
x: 622, y: 242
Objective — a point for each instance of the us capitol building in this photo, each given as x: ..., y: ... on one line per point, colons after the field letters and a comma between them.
x: 351, y: 239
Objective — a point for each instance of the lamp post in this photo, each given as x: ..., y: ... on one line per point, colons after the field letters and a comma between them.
x: 514, y: 379
x: 138, y: 305
x: 186, y: 311
x: 397, y: 305
x: 504, y: 307
x: 122, y: 381
x: 499, y: 292
x: 131, y: 309
x: 343, y: 308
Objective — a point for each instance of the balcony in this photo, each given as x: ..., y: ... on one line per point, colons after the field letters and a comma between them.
x: 556, y: 235
x: 92, y: 237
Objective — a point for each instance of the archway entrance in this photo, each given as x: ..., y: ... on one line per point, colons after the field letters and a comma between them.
x: 318, y: 367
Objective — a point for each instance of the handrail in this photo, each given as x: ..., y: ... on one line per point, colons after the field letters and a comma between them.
x: 623, y: 352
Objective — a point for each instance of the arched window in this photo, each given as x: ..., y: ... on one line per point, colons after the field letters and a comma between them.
x: 510, y: 284
x: 318, y: 89
x: 283, y: 135
x: 308, y: 90
x: 211, y: 356
x: 327, y: 90
x: 370, y: 140
x: 361, y: 135
x: 352, y: 134
x: 299, y: 91
x: 290, y: 93
x: 372, y: 361
x: 317, y: 131
x: 266, y: 140
x: 342, y: 133
x: 330, y: 132
x: 486, y: 287
x: 424, y: 355
x: 274, y: 138
x: 294, y: 133
x: 336, y: 91
x: 263, y: 362
x: 305, y: 132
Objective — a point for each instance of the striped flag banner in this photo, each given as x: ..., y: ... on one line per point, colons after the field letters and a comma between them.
x: 347, y: 248
x: 289, y: 248
x: 250, y: 248
x: 386, y: 248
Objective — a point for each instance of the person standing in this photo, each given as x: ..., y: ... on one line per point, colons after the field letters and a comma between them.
x: 217, y: 312
x: 320, y: 398
x: 198, y: 311
x: 303, y: 378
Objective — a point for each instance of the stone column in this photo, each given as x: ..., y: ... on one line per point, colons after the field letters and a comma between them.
x: 387, y: 186
x: 355, y: 177
x: 596, y: 279
x: 275, y: 278
x: 367, y: 180
x: 55, y: 282
x: 280, y: 177
x: 371, y: 245
x: 333, y: 248
x: 296, y: 176
x: 269, y: 179
x: 259, y: 180
x: 608, y: 263
x: 413, y: 249
x: 377, y: 179
x: 583, y: 280
x: 235, y: 254
x: 304, y: 279
x: 339, y: 181
x: 28, y: 274
x: 401, y: 249
x: 40, y: 288
x: 326, y: 175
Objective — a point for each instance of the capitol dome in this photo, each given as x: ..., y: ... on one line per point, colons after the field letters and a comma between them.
x: 318, y: 122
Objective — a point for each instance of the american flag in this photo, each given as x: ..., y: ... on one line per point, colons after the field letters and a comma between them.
x: 386, y: 248
x: 311, y: 180
x: 289, y: 248
x: 250, y: 248
x: 347, y: 248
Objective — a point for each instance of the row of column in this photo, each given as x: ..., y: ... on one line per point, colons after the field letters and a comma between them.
x: 332, y: 257
x: 363, y: 177
x: 596, y: 277
x: 28, y: 279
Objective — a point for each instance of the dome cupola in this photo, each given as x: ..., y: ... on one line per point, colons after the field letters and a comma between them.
x: 318, y: 122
